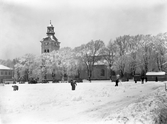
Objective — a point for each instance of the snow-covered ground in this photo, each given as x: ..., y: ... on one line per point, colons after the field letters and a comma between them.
x: 96, y: 102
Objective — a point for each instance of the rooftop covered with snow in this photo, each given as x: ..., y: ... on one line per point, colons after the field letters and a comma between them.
x: 155, y: 73
x: 5, y: 67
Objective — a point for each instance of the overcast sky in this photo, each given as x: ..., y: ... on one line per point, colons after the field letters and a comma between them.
x: 23, y: 23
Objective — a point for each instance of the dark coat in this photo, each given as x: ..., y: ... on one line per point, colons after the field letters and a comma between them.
x: 73, y: 84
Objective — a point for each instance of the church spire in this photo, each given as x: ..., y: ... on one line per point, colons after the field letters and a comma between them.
x: 50, y: 29
x: 50, y: 25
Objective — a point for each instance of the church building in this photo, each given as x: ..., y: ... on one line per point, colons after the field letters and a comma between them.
x: 50, y: 42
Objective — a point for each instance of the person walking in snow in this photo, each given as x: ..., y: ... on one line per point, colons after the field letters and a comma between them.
x: 73, y: 84
x: 117, y: 80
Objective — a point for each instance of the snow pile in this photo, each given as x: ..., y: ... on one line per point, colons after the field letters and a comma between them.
x: 150, y: 109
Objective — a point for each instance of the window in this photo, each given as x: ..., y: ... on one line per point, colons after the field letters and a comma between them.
x: 9, y: 73
x: 46, y: 51
x: 102, y: 72
x: 5, y: 73
x: 1, y: 72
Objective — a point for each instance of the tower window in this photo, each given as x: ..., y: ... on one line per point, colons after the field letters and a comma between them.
x: 48, y: 50
x: 102, y: 72
x: 44, y: 51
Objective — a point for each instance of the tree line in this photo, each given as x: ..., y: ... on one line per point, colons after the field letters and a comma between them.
x: 126, y: 54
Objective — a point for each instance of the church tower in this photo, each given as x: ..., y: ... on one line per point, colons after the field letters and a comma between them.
x: 50, y: 42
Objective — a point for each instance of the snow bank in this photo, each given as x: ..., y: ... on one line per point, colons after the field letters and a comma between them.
x: 150, y: 109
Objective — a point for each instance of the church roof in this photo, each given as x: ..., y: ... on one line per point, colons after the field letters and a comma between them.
x: 5, y: 67
x: 52, y: 37
x: 101, y: 62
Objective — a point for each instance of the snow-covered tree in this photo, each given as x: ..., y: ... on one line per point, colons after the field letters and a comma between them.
x: 65, y: 62
x: 159, y: 47
x: 88, y: 53
x: 23, y: 69
x: 122, y: 44
x: 110, y: 54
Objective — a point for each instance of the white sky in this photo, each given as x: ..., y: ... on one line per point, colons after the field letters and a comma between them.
x: 23, y: 22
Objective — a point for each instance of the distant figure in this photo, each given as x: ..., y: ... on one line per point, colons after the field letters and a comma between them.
x: 142, y: 79
x: 146, y: 79
x: 15, y: 87
x: 73, y: 84
x: 117, y: 80
x: 156, y: 79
